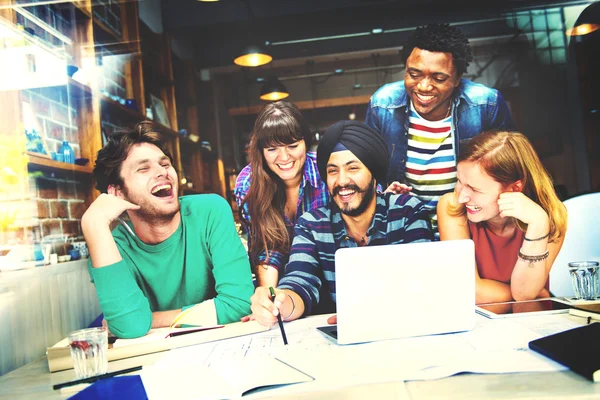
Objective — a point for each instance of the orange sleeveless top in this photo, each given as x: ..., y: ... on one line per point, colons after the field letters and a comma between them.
x: 496, y: 256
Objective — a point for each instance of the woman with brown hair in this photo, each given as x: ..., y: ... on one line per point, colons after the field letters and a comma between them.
x: 281, y: 183
x: 505, y: 201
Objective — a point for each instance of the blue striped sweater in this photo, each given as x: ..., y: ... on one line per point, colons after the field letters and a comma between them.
x: 310, y: 271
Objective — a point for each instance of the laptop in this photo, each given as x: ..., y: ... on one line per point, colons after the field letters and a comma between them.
x: 403, y: 290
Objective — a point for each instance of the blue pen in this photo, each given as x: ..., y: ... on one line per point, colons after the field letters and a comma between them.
x: 278, y: 317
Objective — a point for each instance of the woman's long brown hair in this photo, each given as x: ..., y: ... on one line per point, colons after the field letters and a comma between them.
x: 508, y: 157
x: 277, y: 124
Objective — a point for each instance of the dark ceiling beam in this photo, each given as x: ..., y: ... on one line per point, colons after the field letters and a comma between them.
x: 218, y: 44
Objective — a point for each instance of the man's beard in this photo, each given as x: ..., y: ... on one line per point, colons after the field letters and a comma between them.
x: 369, y: 193
x: 148, y: 211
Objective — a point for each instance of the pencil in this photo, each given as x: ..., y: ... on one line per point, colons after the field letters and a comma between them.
x: 96, y: 378
x: 279, y: 321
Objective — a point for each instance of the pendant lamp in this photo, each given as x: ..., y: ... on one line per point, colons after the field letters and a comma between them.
x: 253, y: 56
x: 587, y: 22
x: 273, y: 90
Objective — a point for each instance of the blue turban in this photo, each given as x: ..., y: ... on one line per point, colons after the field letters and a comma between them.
x: 362, y: 140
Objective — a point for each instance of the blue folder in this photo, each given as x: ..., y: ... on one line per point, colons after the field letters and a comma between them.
x: 119, y: 387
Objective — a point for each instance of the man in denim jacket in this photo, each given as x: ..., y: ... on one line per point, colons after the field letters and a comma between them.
x: 426, y: 117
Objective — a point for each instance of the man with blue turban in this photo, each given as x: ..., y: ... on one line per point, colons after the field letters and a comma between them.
x: 352, y: 158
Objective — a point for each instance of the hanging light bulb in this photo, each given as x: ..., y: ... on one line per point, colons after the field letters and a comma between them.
x: 352, y: 115
x: 253, y: 56
x: 273, y: 90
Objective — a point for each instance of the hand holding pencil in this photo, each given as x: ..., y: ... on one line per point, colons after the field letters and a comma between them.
x: 279, y: 321
x: 265, y: 308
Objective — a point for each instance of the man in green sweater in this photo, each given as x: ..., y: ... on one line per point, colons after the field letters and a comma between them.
x: 176, y: 254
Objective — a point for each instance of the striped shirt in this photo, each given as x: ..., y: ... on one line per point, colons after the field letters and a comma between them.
x: 431, y: 161
x: 313, y: 194
x: 319, y: 233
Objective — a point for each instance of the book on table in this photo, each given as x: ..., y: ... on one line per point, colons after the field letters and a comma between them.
x: 578, y: 349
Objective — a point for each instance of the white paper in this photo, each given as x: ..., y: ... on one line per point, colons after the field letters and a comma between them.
x: 224, y: 379
x: 493, y: 346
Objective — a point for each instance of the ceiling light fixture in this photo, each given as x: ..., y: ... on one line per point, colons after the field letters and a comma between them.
x: 253, y: 56
x: 587, y: 22
x: 582, y: 29
x: 273, y: 90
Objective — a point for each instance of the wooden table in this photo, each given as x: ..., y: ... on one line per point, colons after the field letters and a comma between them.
x: 35, y: 381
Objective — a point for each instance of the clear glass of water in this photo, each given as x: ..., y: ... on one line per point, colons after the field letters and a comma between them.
x: 585, y: 278
x: 89, y: 351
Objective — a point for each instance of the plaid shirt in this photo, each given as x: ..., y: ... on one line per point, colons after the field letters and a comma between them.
x: 313, y: 194
x: 319, y: 233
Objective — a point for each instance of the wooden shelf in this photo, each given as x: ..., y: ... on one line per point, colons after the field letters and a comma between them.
x: 115, y: 105
x: 99, y: 24
x: 106, y: 38
x: 83, y: 7
x: 135, y: 115
x: 41, y: 162
x: 79, y: 89
x: 307, y: 105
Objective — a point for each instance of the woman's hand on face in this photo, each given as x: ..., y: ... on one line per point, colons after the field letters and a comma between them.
x: 398, y: 188
x: 521, y: 207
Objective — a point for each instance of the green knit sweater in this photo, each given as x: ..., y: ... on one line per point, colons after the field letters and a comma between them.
x: 203, y: 259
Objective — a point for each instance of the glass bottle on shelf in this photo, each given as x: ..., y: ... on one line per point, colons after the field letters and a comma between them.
x: 67, y: 151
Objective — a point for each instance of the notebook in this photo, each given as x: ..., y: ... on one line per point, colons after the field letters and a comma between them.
x: 578, y: 349
x: 404, y: 290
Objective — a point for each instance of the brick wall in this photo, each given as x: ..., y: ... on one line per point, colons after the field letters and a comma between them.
x: 60, y: 205
x: 55, y: 207
x: 56, y: 201
x: 57, y: 118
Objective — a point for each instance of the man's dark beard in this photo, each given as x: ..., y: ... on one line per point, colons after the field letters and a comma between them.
x: 366, y: 200
x: 148, y: 215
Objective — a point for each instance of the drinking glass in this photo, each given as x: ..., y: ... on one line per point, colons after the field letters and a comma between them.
x: 89, y: 351
x: 585, y: 279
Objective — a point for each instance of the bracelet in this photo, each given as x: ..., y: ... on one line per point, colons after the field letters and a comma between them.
x: 536, y: 239
x: 533, y: 259
x: 293, y: 306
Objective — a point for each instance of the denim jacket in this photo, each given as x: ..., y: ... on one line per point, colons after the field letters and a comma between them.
x: 476, y: 108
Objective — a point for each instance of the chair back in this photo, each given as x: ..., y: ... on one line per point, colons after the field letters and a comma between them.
x: 582, y: 240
